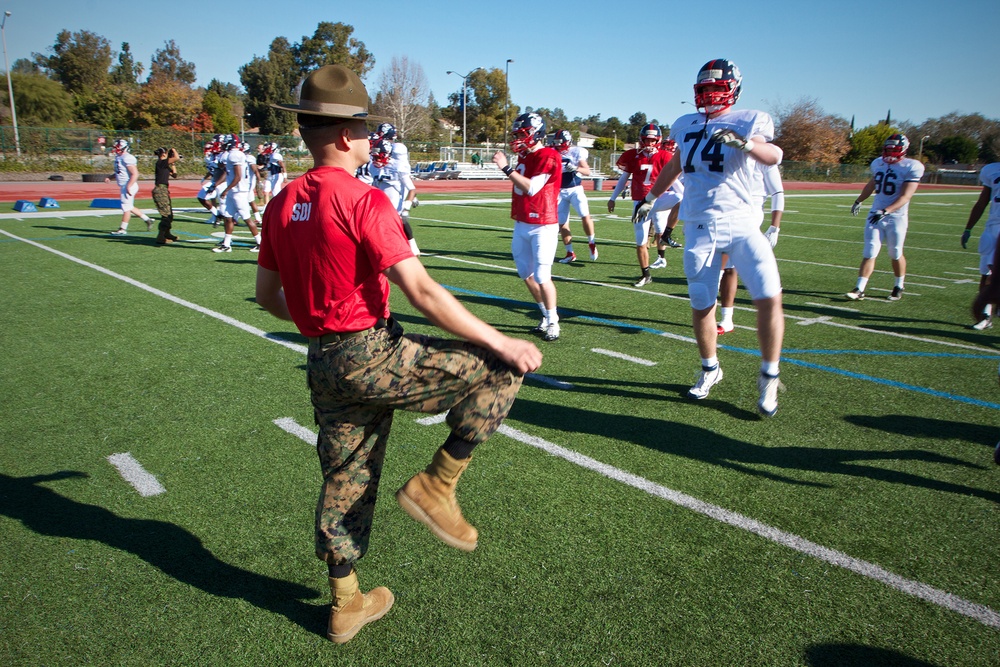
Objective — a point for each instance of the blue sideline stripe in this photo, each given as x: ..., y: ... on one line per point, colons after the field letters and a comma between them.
x: 876, y: 353
x: 756, y: 353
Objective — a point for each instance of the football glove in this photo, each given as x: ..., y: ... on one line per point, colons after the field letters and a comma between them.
x: 641, y: 211
x: 965, y: 238
x: 416, y: 202
x: 855, y: 208
x: 731, y: 139
x: 568, y: 167
x: 876, y: 216
x: 772, y: 235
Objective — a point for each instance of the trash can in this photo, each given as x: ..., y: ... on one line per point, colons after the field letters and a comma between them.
x: 598, y: 184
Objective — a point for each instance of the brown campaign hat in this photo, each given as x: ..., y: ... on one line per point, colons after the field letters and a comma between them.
x: 333, y: 91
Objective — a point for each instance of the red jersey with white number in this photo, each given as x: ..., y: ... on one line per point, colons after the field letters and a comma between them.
x: 330, y: 236
x: 644, y: 169
x: 541, y: 208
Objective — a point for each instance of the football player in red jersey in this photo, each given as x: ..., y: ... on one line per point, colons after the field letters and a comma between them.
x: 642, y: 163
x: 534, y: 208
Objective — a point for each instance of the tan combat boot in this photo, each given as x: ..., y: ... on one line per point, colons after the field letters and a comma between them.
x: 429, y: 497
x: 352, y: 609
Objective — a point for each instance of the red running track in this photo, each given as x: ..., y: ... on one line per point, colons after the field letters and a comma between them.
x: 70, y: 191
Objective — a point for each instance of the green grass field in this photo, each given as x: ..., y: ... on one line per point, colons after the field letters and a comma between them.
x: 620, y: 523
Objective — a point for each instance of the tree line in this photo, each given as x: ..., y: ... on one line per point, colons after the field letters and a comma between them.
x: 82, y: 80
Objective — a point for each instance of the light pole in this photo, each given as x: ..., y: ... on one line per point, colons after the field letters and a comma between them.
x: 506, y: 100
x: 465, y: 104
x: 10, y: 86
x: 920, y: 153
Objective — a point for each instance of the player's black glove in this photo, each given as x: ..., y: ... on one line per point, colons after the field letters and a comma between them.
x: 876, y: 216
x: 965, y: 238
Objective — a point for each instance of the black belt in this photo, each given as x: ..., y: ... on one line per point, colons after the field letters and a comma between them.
x: 334, y: 337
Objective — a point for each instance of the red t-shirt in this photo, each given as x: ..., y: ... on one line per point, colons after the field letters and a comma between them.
x: 644, y: 169
x: 542, y: 207
x: 330, y: 236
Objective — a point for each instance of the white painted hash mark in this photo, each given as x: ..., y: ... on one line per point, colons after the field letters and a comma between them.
x: 133, y: 473
x: 979, y: 612
x: 619, y: 355
x: 289, y: 425
x: 433, y: 419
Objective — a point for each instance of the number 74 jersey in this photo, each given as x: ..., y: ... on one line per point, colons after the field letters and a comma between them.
x: 718, y: 179
x: 889, y: 179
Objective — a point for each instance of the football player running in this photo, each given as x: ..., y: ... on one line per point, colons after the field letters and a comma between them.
x: 989, y: 176
x: 127, y: 178
x: 718, y: 150
x: 534, y: 209
x: 895, y: 178
x: 643, y: 164
x: 571, y: 194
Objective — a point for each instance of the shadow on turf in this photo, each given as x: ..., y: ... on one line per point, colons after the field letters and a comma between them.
x: 850, y: 655
x: 175, y: 551
x: 926, y: 427
x: 701, y: 444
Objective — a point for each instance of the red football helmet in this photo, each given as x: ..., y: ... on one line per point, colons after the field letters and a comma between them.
x: 528, y: 129
x: 649, y: 138
x: 562, y: 140
x: 895, y: 147
x: 382, y: 152
x: 209, y: 147
x: 669, y: 145
x: 120, y: 146
x: 718, y: 86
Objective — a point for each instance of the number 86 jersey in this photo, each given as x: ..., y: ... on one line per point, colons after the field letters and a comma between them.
x: 718, y: 179
x: 889, y: 179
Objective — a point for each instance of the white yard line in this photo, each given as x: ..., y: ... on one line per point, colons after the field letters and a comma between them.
x: 978, y: 612
x: 619, y: 355
x: 133, y: 473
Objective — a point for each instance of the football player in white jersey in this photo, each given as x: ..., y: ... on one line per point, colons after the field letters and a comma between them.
x: 571, y: 194
x: 236, y: 194
x: 718, y: 149
x: 989, y: 176
x: 127, y: 178
x: 393, y: 176
x: 895, y: 178
x: 253, y: 173
x: 208, y: 195
x: 275, y: 171
x: 766, y: 184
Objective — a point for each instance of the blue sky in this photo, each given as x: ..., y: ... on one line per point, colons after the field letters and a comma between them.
x: 855, y: 58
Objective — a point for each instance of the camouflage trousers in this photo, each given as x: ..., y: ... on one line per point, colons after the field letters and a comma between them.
x: 161, y: 197
x: 357, y: 383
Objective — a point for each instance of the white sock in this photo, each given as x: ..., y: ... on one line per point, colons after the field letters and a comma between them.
x: 214, y: 211
x: 711, y: 362
x: 124, y: 225
x: 727, y: 316
x: 988, y: 310
x: 569, y: 248
x: 227, y: 240
x: 590, y: 239
x: 553, y: 316
x: 899, y: 281
x: 769, y: 368
x: 862, y: 284
x: 545, y: 313
x: 257, y: 239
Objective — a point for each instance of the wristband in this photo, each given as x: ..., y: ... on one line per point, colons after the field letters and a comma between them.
x: 507, y: 171
x: 748, y: 146
x: 649, y: 198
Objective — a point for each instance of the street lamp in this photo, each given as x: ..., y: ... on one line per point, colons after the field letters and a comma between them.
x: 506, y: 99
x: 10, y: 86
x: 465, y: 104
x: 920, y: 153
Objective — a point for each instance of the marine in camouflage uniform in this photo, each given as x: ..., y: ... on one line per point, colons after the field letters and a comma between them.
x: 164, y: 171
x: 358, y: 383
x: 331, y: 247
